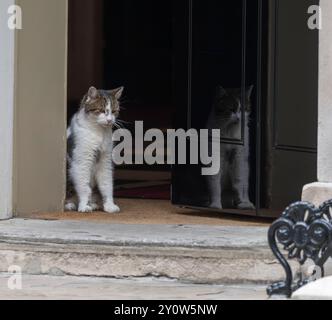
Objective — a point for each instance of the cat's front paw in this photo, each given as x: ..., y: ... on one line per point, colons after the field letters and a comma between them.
x: 70, y: 206
x: 85, y: 209
x: 247, y: 205
x: 111, y: 208
x: 215, y: 205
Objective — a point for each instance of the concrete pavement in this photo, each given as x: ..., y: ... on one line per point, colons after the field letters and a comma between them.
x: 90, y: 288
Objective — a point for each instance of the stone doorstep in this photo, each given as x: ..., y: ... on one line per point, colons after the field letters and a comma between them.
x: 318, y: 290
x: 193, y: 254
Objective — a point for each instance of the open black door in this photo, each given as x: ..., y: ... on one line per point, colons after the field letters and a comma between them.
x: 239, y: 69
x: 290, y: 115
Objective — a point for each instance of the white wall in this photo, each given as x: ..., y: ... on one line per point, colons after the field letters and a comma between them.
x: 325, y: 96
x: 7, y: 62
x: 321, y: 191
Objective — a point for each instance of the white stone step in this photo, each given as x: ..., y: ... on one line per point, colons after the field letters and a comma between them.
x: 196, y: 254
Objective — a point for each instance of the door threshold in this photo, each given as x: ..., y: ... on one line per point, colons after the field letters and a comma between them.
x: 156, y: 212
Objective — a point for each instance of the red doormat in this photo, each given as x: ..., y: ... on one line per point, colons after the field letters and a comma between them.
x: 162, y: 192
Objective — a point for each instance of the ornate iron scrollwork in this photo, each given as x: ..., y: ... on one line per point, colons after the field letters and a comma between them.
x: 304, y: 232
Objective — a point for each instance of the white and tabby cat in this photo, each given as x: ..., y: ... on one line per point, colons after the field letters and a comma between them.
x: 89, y: 156
x: 234, y: 174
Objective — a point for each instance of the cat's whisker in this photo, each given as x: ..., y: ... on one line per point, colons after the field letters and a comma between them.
x: 123, y: 105
x: 116, y: 125
x: 126, y: 101
x: 122, y: 121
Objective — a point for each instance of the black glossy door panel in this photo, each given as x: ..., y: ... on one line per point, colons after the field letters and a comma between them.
x: 243, y: 73
x: 222, y: 94
x: 290, y: 117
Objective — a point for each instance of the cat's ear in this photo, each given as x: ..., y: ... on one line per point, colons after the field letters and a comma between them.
x: 117, y: 93
x: 249, y: 91
x: 221, y: 92
x: 93, y: 93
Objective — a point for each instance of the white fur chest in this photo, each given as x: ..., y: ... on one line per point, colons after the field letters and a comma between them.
x: 106, y: 142
x: 91, y: 136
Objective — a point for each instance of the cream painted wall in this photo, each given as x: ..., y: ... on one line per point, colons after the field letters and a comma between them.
x: 40, y: 117
x: 321, y: 191
x: 7, y: 71
x: 325, y: 96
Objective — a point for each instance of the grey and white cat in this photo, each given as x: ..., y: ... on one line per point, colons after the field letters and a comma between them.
x: 234, y: 174
x: 89, y: 156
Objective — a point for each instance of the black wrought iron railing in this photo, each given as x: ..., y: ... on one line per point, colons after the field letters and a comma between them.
x: 303, y: 232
